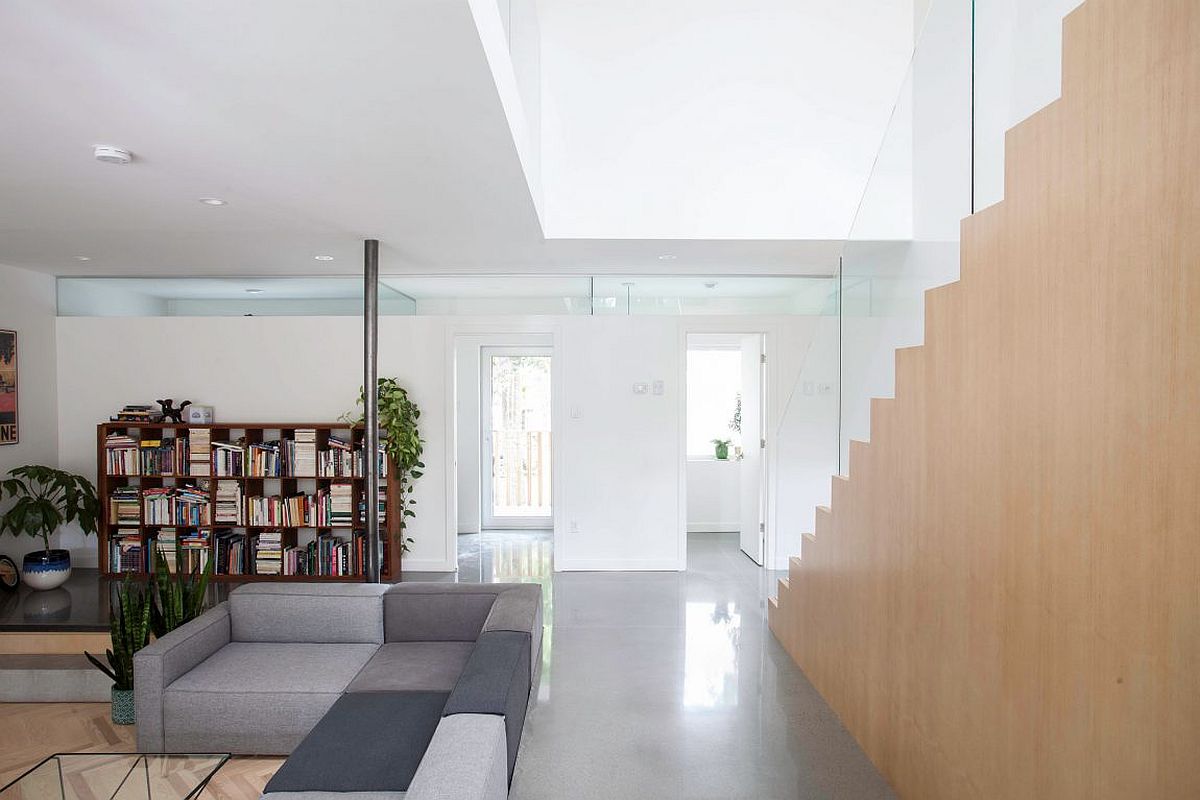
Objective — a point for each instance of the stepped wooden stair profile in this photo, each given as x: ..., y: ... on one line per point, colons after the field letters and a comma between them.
x: 1003, y: 600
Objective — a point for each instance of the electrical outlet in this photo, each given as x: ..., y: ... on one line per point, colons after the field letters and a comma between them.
x: 659, y: 387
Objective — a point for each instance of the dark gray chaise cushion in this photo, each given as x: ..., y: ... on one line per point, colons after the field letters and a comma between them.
x: 413, y: 666
x: 368, y: 742
x: 257, y: 698
x: 496, y: 680
x: 436, y: 612
x: 519, y: 608
x: 318, y: 613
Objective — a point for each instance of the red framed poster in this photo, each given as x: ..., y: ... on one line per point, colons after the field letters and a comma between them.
x: 8, y: 388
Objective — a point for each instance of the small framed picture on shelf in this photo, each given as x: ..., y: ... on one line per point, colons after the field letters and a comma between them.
x: 9, y: 431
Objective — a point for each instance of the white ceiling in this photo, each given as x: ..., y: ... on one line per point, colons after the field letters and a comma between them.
x: 321, y: 124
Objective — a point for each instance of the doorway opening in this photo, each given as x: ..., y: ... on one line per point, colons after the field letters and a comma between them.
x: 725, y: 465
x: 516, y: 436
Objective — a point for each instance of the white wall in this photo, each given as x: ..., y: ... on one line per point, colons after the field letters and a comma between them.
x: 619, y: 468
x: 714, y: 503
x: 27, y: 305
x: 255, y: 369
x: 711, y: 119
x: 1018, y: 70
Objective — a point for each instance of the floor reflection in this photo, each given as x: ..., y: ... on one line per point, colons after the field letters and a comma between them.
x: 667, y: 684
x: 710, y: 669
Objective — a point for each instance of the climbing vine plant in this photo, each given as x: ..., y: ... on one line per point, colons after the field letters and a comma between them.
x: 400, y: 437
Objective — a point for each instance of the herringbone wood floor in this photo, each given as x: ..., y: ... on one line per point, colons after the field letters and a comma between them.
x: 31, y: 731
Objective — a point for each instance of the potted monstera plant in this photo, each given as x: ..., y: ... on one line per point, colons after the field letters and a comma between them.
x: 46, y: 499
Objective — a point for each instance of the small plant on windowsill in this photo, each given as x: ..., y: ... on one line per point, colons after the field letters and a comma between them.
x: 721, y: 449
x: 401, y: 442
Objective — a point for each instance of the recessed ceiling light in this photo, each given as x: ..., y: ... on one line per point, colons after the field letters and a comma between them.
x: 323, y: 258
x: 212, y: 201
x: 666, y: 257
x: 112, y: 155
x: 710, y: 285
x: 83, y: 258
x: 254, y: 291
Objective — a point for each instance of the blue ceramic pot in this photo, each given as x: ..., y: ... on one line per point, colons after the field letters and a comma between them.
x: 46, y: 569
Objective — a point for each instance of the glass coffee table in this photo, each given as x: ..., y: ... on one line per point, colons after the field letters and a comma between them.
x: 116, y: 776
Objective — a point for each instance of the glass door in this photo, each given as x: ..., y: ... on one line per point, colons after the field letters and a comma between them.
x: 517, y: 441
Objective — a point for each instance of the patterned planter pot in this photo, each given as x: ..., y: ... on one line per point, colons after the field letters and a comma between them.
x: 46, y: 569
x: 122, y: 706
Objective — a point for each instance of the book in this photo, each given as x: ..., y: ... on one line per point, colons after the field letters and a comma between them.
x: 264, y: 460
x: 121, y: 455
x: 230, y: 510
x: 160, y: 457
x: 230, y: 552
x: 194, y: 551
x: 337, y: 461
x: 125, y: 553
x: 228, y: 459
x: 268, y: 553
x: 294, y: 511
x: 199, y: 463
x: 175, y: 505
x: 334, y: 506
x: 124, y: 506
x: 166, y: 543
x: 301, y: 452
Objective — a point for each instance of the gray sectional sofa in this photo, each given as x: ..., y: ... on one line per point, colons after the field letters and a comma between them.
x: 417, y: 690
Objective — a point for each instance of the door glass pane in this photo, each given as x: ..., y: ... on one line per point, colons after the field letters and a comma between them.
x: 521, y: 439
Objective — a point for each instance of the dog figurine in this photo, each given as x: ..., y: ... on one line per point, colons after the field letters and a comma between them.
x: 170, y: 412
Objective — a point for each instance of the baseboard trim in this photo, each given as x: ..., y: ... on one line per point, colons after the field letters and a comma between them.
x: 712, y: 527
x: 616, y: 565
x: 426, y: 565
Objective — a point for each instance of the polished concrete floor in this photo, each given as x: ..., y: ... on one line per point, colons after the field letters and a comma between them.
x: 668, y: 685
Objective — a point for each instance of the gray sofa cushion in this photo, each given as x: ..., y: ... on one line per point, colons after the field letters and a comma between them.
x: 161, y: 662
x: 335, y: 796
x: 432, y: 616
x: 519, y: 608
x: 307, y: 612
x: 496, y: 680
x: 413, y: 666
x: 465, y: 761
x: 258, y: 698
x: 366, y: 743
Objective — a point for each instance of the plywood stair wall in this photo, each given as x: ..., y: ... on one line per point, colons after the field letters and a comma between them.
x: 1003, y: 600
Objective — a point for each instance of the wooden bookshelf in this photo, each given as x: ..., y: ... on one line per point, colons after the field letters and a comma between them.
x: 285, y: 485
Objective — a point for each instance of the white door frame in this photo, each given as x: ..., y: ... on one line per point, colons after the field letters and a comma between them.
x: 770, y: 334
x: 487, y: 518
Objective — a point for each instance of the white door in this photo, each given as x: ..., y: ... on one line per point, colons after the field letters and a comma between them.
x: 753, y: 466
x: 514, y: 414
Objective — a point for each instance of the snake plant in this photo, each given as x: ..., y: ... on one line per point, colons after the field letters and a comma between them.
x: 177, y: 597
x: 129, y: 622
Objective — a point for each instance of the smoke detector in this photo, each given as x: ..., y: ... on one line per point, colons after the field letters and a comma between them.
x: 112, y: 155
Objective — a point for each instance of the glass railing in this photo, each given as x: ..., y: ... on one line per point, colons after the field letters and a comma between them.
x: 903, y: 240
x: 449, y: 295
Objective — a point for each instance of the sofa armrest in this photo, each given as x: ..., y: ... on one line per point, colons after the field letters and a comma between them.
x: 466, y: 760
x: 519, y: 608
x: 163, y: 661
